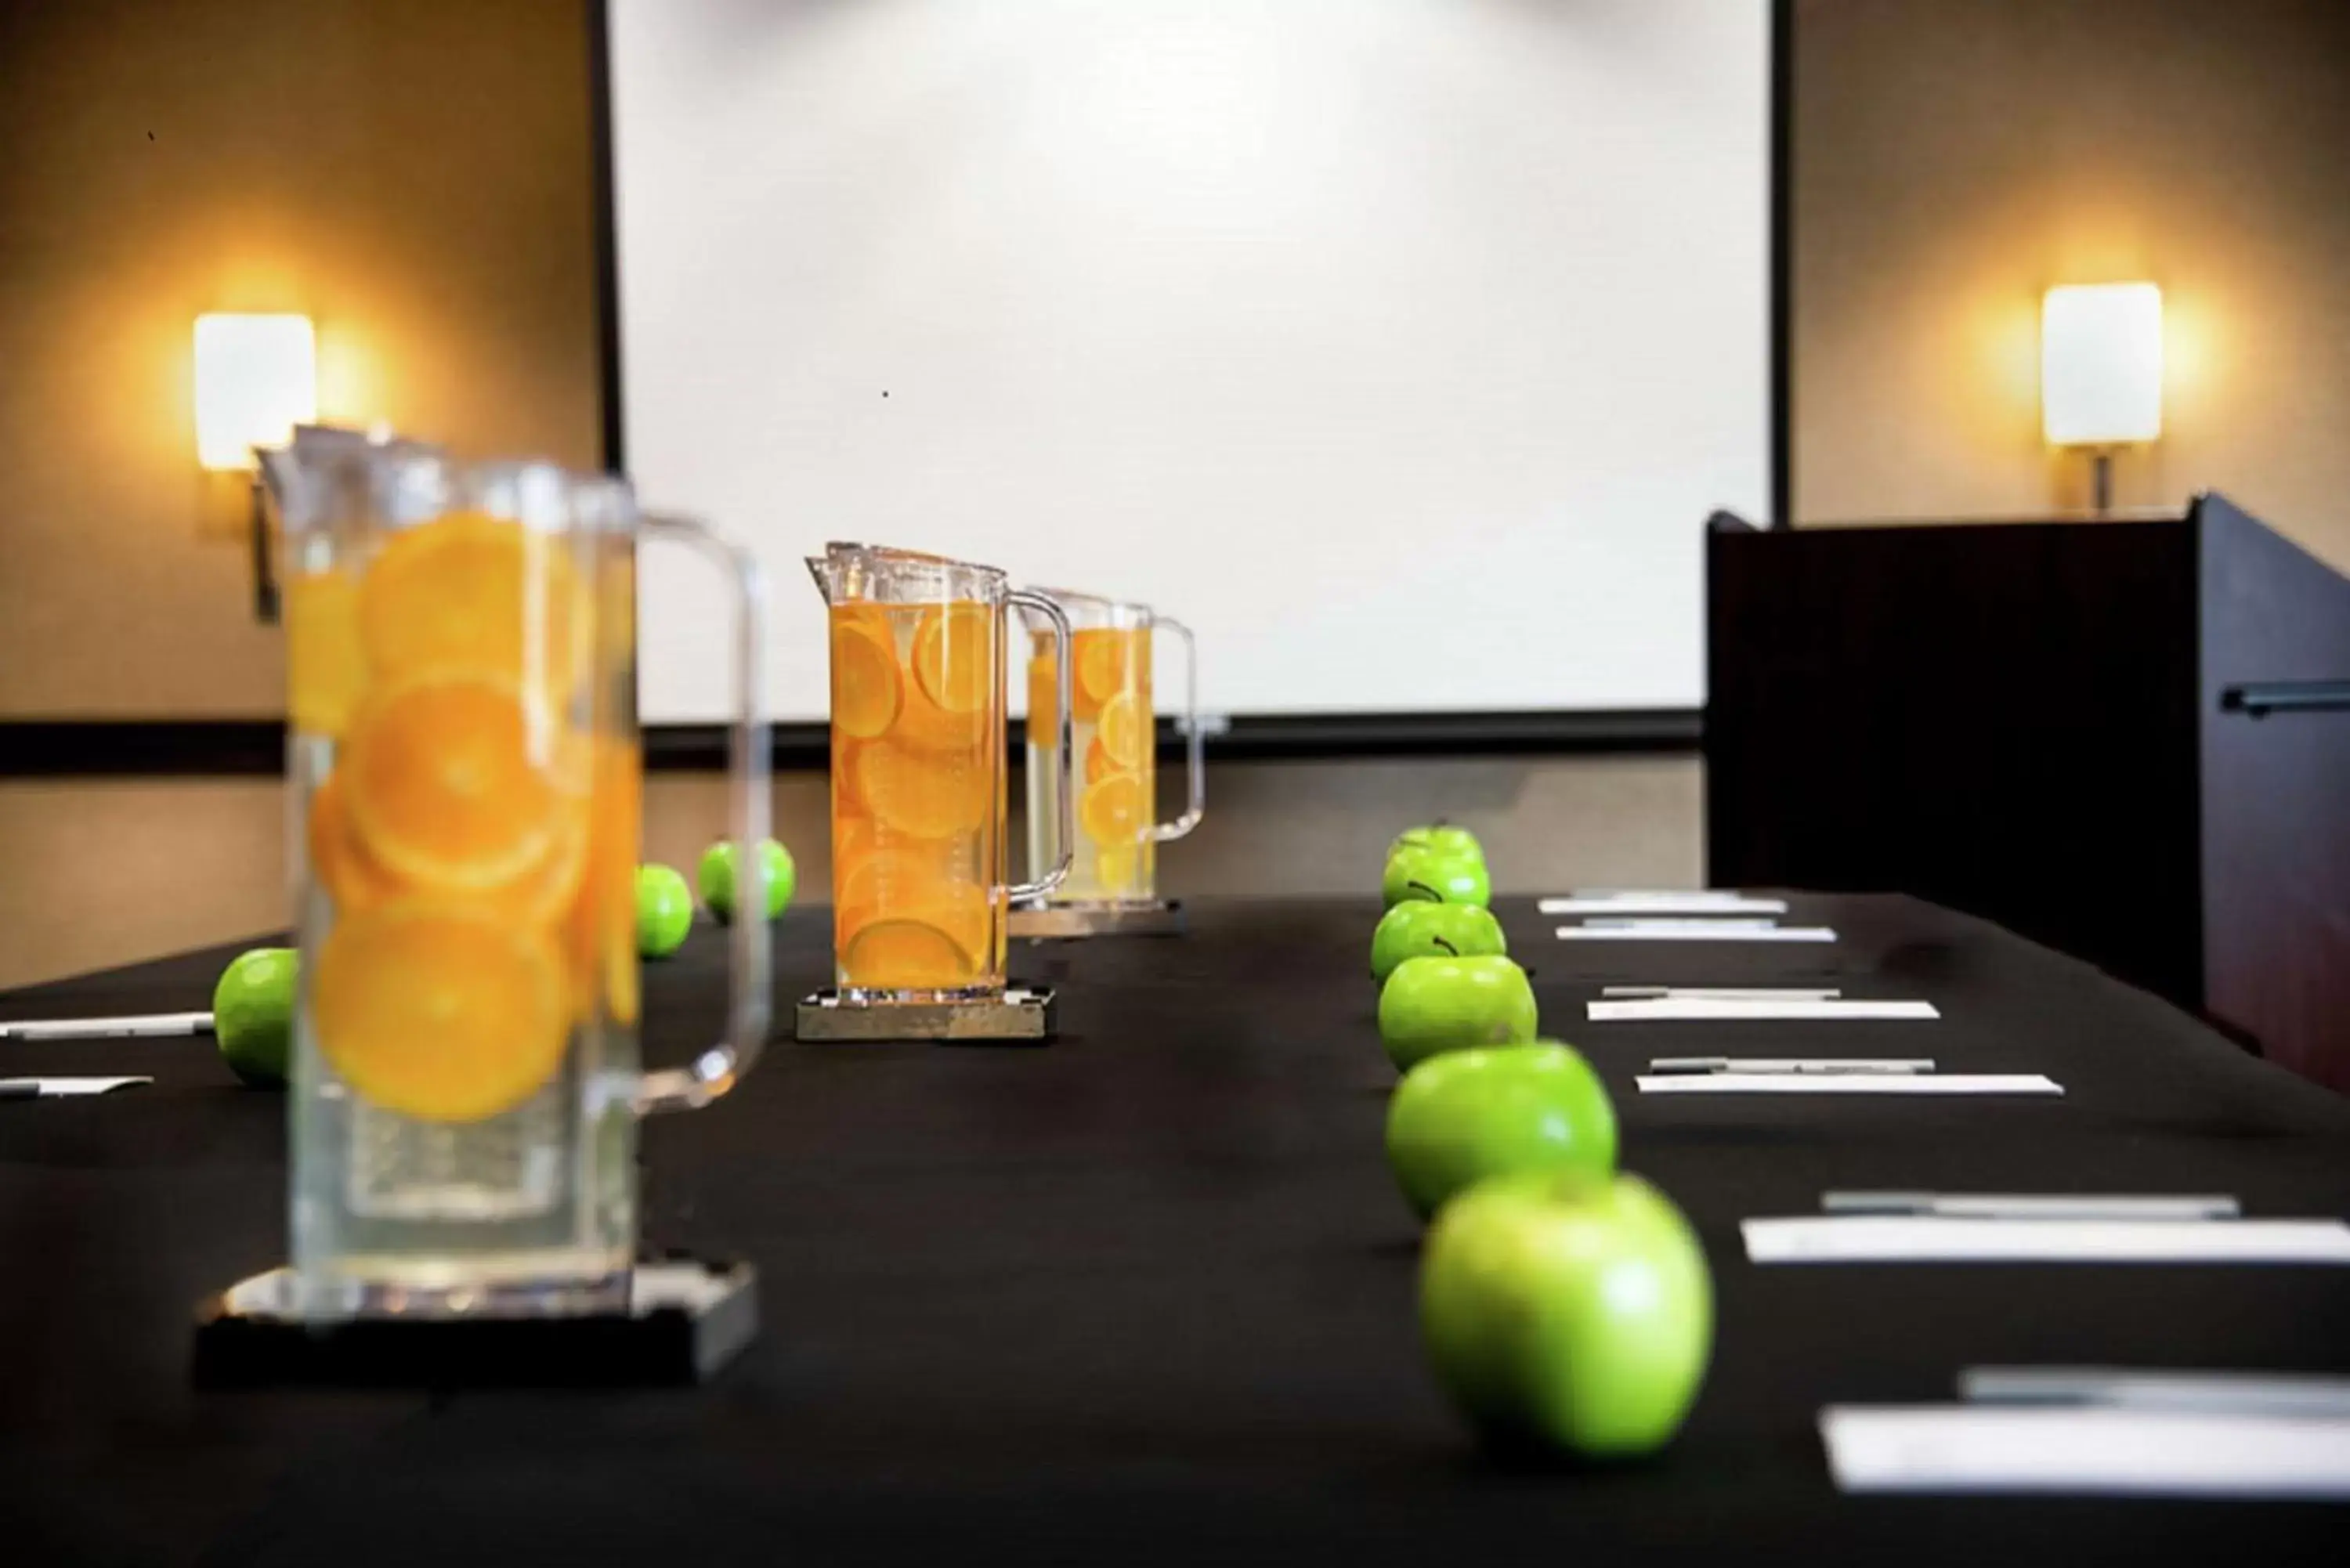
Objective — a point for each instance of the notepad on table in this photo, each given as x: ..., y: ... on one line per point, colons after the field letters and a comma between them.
x: 1923, y: 1238
x: 1692, y: 930
x: 1661, y: 902
x: 1848, y: 1084
x: 2085, y: 1450
x: 1683, y: 1009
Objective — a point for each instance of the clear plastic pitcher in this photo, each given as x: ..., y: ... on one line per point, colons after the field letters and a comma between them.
x: 919, y: 887
x: 465, y: 774
x: 1111, y: 733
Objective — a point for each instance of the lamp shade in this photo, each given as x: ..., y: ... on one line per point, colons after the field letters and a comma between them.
x: 256, y: 379
x: 2101, y: 364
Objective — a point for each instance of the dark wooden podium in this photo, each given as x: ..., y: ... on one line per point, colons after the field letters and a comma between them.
x: 2129, y: 740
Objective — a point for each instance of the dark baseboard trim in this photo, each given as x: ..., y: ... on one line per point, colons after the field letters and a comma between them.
x: 142, y: 748
x: 255, y: 748
x: 1290, y: 737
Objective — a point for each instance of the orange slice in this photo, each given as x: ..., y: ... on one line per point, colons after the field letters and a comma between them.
x: 541, y: 893
x: 478, y: 594
x: 1112, y: 811
x: 600, y: 936
x: 853, y: 838
x: 923, y: 795
x: 616, y: 603
x: 1103, y: 657
x: 1125, y: 731
x: 1044, y: 700
x: 439, y: 1011
x: 938, y: 950
x: 1099, y: 764
x: 904, y: 878
x: 351, y: 876
x: 449, y: 784
x: 550, y: 889
x: 867, y: 687
x: 925, y: 726
x: 954, y: 655
x: 325, y: 669
x: 1118, y: 868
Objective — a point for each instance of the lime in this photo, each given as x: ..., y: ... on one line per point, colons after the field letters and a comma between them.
x: 664, y: 910
x: 717, y: 876
x: 253, y: 1015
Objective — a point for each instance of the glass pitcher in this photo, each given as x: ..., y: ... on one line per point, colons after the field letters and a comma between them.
x: 1111, y: 733
x: 466, y: 773
x: 919, y: 737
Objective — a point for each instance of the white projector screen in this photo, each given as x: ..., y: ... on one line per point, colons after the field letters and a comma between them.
x: 1401, y: 346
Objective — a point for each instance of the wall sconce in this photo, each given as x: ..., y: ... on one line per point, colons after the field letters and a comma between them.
x: 256, y: 379
x: 2101, y: 372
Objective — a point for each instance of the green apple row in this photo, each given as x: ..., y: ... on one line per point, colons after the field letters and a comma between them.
x: 665, y: 905
x: 1559, y: 1301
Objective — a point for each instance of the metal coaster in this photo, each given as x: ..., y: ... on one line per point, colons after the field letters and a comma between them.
x: 1022, y: 1013
x: 1161, y: 918
x: 685, y: 1319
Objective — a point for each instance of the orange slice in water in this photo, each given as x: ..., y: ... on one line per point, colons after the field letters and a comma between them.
x: 1111, y: 812
x: 867, y: 685
x: 1103, y: 658
x: 1118, y: 868
x: 925, y: 726
x: 478, y: 594
x: 1099, y: 764
x: 599, y: 934
x: 337, y: 859
x: 908, y: 876
x: 451, y: 785
x: 937, y: 949
x: 1043, y: 702
x: 324, y: 670
x: 1125, y: 731
x: 954, y: 655
x: 923, y: 795
x: 441, y: 1012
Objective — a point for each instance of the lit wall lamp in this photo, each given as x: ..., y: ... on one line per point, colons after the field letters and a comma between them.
x: 256, y: 379
x: 2101, y: 372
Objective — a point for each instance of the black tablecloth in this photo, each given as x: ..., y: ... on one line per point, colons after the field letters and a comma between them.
x: 1149, y: 1293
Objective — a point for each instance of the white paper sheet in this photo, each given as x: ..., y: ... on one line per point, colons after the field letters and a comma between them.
x: 1848, y: 1084
x: 1695, y: 931
x: 1688, y: 1008
x: 1927, y: 1239
x: 1662, y: 903
x: 141, y: 1025
x: 1991, y: 1449
x: 56, y: 1088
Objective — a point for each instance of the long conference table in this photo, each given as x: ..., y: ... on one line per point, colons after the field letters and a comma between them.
x: 1148, y: 1292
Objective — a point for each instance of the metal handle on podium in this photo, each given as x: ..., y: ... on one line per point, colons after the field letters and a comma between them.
x: 2259, y: 699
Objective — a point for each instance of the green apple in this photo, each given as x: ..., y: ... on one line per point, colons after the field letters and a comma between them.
x: 1418, y: 929
x: 1434, y: 1004
x: 664, y: 911
x: 717, y: 870
x: 1440, y: 876
x: 1501, y: 1110
x: 1569, y: 1308
x: 253, y: 1015
x: 1438, y: 835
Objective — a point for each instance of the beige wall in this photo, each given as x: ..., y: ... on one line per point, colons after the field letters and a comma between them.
x: 415, y: 177
x: 1955, y: 158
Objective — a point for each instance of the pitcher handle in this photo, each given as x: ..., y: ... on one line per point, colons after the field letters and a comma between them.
x: 1064, y: 812
x: 748, y: 1005
x: 1195, y: 760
